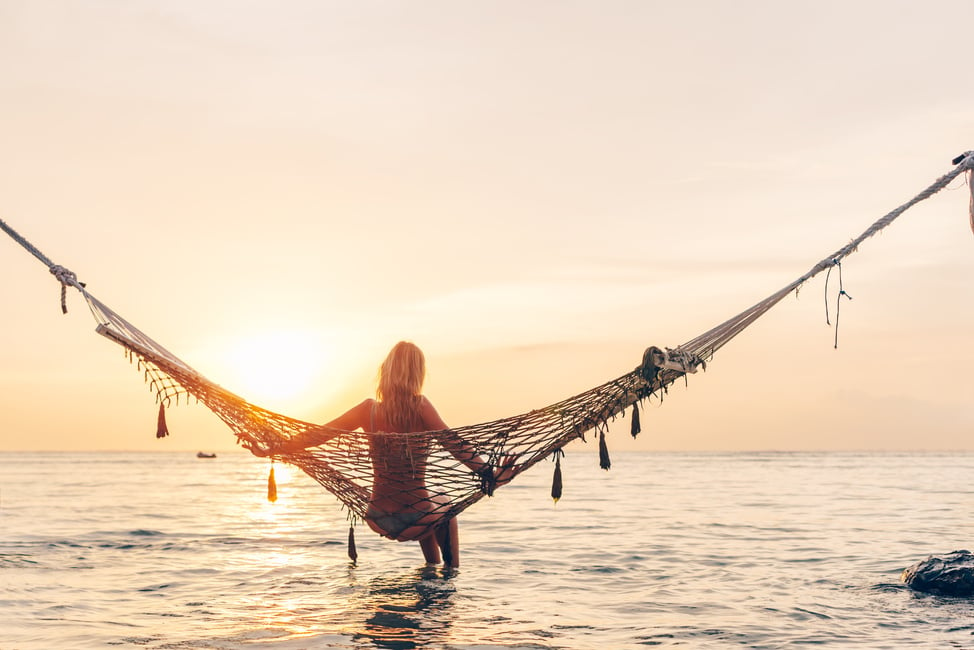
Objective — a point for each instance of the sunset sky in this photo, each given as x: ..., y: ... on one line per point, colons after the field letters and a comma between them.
x: 533, y: 192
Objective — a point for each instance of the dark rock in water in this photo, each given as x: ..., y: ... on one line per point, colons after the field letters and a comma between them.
x: 951, y: 574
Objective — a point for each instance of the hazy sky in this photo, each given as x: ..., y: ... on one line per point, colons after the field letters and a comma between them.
x: 531, y: 191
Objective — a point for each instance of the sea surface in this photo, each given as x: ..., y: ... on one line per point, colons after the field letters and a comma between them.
x: 745, y: 550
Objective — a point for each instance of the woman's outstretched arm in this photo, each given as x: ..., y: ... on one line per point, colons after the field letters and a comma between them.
x: 462, y: 450
x: 354, y: 418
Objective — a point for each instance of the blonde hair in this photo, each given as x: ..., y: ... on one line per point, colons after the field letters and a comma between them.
x: 400, y: 387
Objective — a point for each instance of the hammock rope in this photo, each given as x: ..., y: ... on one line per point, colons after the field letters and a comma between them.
x: 343, y: 465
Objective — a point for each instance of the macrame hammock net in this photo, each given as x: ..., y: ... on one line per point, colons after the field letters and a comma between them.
x: 343, y: 465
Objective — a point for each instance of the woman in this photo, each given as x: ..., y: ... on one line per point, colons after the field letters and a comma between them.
x: 401, y: 506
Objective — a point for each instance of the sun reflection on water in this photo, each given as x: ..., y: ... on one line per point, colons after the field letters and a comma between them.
x: 299, y: 590
x: 406, y: 611
x: 411, y: 610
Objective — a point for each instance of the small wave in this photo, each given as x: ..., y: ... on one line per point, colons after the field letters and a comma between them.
x: 890, y: 587
x: 159, y: 587
x: 804, y: 613
x: 656, y: 639
x: 17, y: 561
x: 599, y: 569
x: 66, y: 544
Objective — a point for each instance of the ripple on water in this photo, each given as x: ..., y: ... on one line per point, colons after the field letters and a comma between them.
x: 18, y: 560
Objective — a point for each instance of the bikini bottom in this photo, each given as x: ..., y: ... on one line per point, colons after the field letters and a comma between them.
x: 394, y: 523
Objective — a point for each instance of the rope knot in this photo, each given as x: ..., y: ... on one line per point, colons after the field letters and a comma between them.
x: 653, y: 359
x: 65, y: 277
x: 966, y: 158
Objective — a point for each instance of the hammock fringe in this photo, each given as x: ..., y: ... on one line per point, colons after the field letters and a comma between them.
x: 271, y: 485
x: 604, y: 461
x: 161, y: 429
x: 556, y: 478
x: 352, y: 551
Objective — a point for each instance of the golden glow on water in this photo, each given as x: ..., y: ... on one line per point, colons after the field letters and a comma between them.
x: 283, y: 473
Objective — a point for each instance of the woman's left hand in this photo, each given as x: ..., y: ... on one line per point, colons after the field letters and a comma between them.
x: 254, y: 446
x: 506, y: 470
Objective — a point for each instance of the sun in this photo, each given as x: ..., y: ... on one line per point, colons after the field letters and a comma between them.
x: 275, y: 366
x: 302, y: 371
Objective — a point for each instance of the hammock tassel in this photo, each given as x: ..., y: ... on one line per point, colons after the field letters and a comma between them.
x: 556, y: 479
x: 161, y: 429
x: 604, y: 461
x: 635, y: 426
x: 271, y: 486
x: 352, y: 552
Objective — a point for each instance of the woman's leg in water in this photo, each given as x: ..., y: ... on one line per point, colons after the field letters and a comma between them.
x: 449, y: 541
x: 431, y: 550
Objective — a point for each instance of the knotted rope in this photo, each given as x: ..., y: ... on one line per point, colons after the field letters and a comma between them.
x: 710, y: 341
x: 63, y: 275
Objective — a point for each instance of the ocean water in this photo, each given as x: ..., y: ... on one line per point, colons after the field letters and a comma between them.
x: 748, y: 550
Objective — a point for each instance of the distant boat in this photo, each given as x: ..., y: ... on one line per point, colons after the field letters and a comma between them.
x: 203, y: 454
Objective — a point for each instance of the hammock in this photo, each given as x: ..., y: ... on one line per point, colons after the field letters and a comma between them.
x: 343, y: 466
